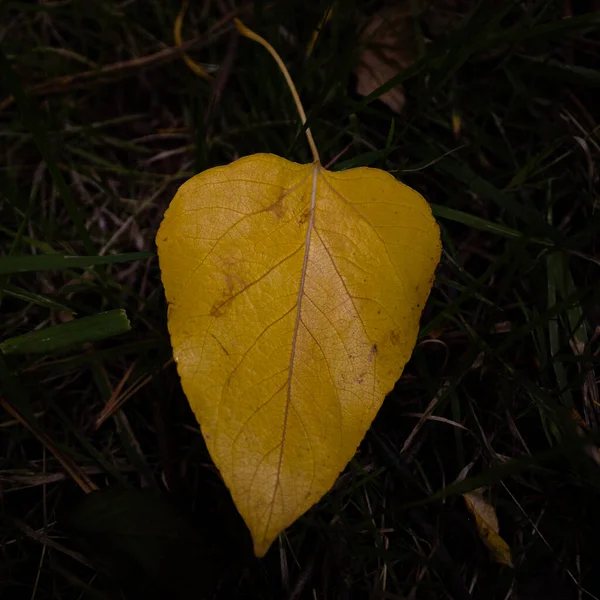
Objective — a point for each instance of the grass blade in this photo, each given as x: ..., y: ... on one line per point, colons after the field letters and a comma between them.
x: 57, y: 262
x: 60, y: 337
x: 443, y: 212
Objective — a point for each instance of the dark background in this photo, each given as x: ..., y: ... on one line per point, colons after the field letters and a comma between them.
x: 509, y: 341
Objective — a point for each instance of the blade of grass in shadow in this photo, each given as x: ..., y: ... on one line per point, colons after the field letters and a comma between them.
x: 443, y: 212
x: 33, y: 298
x: 67, y: 335
x: 40, y: 245
x: 57, y: 262
x: 74, y: 362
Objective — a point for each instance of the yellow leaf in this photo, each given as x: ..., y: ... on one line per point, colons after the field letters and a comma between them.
x: 294, y: 296
x: 487, y: 526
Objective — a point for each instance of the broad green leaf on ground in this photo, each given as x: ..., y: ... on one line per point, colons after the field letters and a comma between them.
x: 294, y: 295
x: 487, y: 526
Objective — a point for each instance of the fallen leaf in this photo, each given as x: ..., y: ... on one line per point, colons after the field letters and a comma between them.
x: 294, y: 296
x: 487, y: 526
x: 390, y: 49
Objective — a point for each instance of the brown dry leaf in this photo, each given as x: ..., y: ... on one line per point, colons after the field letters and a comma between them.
x: 390, y: 49
x: 487, y: 526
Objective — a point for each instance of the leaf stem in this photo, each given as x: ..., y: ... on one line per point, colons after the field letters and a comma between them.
x: 257, y: 38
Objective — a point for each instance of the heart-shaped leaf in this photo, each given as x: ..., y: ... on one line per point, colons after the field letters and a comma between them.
x: 294, y: 295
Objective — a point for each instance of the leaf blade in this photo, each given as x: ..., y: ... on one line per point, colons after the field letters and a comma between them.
x: 488, y: 527
x: 292, y: 311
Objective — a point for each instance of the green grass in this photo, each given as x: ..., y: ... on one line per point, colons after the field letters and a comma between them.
x: 509, y: 346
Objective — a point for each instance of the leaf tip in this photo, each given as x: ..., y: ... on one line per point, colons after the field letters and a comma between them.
x: 261, y: 547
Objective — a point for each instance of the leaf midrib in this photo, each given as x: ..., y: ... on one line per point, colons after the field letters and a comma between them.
x: 309, y: 230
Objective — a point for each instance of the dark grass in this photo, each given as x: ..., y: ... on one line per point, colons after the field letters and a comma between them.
x: 508, y: 346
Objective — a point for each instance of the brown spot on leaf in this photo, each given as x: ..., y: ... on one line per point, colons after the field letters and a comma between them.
x: 373, y: 352
x: 276, y: 208
x: 217, y: 310
x: 230, y: 283
x: 234, y: 285
x: 395, y: 338
x: 303, y: 218
x: 220, y: 306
